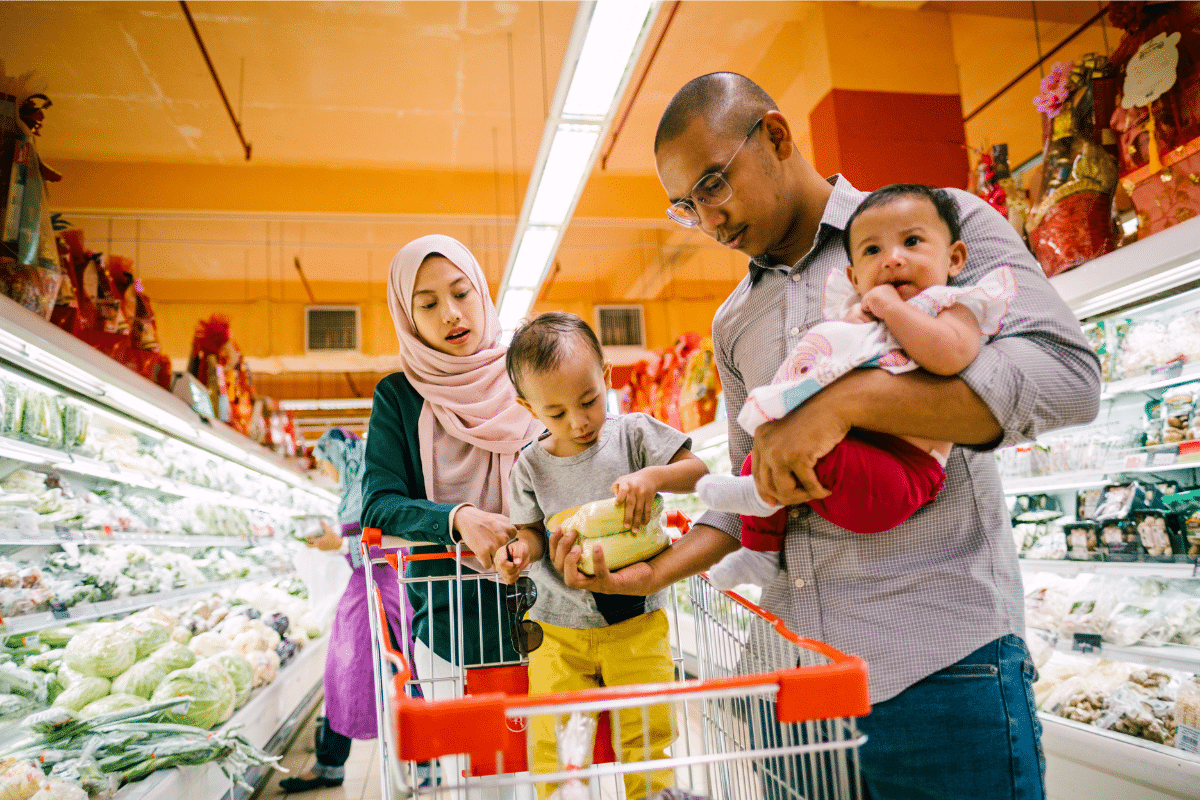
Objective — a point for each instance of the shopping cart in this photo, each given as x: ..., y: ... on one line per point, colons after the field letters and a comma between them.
x: 768, y: 716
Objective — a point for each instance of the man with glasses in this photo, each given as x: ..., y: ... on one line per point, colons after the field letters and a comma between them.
x: 934, y: 605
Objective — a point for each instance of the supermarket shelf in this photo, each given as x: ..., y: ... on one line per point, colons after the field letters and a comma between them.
x: 82, y: 465
x: 1134, y: 569
x: 1150, y: 382
x: 268, y: 720
x: 44, y: 537
x: 1054, y: 483
x: 1168, y: 656
x: 27, y: 623
x: 1084, y: 761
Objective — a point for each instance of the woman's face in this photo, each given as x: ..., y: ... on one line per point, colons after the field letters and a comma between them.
x: 447, y: 310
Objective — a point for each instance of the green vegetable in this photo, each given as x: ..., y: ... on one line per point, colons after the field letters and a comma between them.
x: 240, y: 672
x: 181, y: 634
x: 48, y: 661
x: 211, y: 697
x: 58, y: 637
x: 220, y: 674
x: 147, y: 634
x: 173, y: 656
x: 141, y: 679
x: 68, y: 676
x: 86, y: 690
x: 103, y: 650
x: 113, y: 702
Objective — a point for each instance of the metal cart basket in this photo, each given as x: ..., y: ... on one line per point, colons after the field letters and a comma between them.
x: 768, y: 716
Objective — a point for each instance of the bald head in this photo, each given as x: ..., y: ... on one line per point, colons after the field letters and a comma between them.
x: 730, y: 103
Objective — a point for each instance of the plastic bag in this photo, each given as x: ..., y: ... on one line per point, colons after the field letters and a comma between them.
x: 575, y: 736
x: 326, y: 575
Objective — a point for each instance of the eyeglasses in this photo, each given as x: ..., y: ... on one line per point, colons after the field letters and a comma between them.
x: 526, y: 634
x: 711, y: 190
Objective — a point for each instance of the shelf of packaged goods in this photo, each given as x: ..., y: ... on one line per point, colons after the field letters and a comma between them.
x: 1083, y: 761
x: 1167, y: 656
x: 269, y: 721
x: 1182, y: 567
x: 55, y: 537
x: 1048, y: 484
x: 1150, y: 381
x: 83, y: 465
x: 47, y: 353
x: 27, y: 623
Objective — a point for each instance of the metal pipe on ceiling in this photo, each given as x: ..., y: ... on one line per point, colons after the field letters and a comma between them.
x: 237, y: 126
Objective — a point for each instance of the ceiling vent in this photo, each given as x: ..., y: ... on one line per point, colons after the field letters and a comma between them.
x: 621, y: 326
x: 332, y: 329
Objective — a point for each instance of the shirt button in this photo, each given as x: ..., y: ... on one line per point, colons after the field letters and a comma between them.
x: 794, y: 513
x: 794, y: 331
x: 796, y: 277
x: 436, y: 526
x: 799, y: 583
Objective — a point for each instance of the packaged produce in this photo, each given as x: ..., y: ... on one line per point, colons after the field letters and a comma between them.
x: 86, y: 690
x: 148, y: 635
x: 113, y: 702
x: 602, y: 522
x: 141, y: 679
x: 21, y: 780
x: 211, y: 696
x: 240, y: 672
x: 1081, y: 540
x: 103, y: 649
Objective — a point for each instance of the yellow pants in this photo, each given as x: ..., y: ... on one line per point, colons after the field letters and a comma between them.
x: 637, y: 650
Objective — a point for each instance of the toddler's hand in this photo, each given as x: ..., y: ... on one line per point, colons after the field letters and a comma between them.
x: 510, y: 560
x: 877, y: 301
x: 856, y: 314
x: 637, y: 492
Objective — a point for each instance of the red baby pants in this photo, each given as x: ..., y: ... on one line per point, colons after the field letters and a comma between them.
x: 877, y: 481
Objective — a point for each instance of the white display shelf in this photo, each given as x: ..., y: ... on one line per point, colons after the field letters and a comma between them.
x: 1168, y: 656
x: 268, y: 721
x: 83, y: 465
x: 44, y: 537
x: 1149, y: 382
x: 1048, y: 484
x: 27, y: 623
x: 1084, y: 761
x: 1133, y: 569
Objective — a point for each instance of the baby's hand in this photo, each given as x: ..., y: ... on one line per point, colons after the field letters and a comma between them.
x: 636, y: 491
x: 856, y: 314
x: 510, y: 560
x: 876, y: 301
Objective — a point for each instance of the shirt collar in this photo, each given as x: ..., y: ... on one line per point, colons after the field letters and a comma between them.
x: 838, y: 208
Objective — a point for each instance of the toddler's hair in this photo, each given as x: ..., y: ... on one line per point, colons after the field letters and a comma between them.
x: 544, y: 342
x: 943, y: 203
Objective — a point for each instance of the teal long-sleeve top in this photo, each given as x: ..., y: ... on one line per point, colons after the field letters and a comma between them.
x: 394, y: 501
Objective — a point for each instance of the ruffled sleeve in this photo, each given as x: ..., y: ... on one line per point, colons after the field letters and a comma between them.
x: 840, y: 295
x: 988, y: 300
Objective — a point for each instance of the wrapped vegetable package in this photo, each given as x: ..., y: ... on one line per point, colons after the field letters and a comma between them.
x: 211, y: 696
x: 104, y: 650
x: 142, y: 678
x: 602, y: 522
x: 214, y: 667
x: 113, y: 702
x: 86, y: 690
x: 173, y: 656
x: 208, y: 644
x: 240, y: 672
x: 148, y: 635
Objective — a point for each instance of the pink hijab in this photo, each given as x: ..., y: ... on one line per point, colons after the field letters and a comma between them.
x: 471, y: 428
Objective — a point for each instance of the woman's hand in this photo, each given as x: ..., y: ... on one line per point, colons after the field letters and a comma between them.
x: 483, y: 532
x: 329, y: 540
x: 636, y: 492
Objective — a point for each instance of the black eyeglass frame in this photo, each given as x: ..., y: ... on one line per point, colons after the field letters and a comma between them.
x: 688, y: 215
x: 526, y: 634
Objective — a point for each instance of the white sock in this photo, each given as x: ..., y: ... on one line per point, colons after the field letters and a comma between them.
x: 734, y: 495
x: 744, y: 566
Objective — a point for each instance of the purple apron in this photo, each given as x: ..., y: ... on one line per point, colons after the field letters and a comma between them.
x: 349, y: 678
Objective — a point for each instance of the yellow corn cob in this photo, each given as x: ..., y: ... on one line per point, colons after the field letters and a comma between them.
x: 603, y: 522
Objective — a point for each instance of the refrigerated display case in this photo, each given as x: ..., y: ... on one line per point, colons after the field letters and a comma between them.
x: 116, y: 496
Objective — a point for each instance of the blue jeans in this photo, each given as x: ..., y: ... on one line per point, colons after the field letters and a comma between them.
x: 969, y: 730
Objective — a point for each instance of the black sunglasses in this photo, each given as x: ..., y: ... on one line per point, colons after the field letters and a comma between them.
x: 526, y: 634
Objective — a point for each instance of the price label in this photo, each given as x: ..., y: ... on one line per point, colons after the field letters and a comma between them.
x: 63, y: 533
x: 59, y: 609
x: 1087, y: 642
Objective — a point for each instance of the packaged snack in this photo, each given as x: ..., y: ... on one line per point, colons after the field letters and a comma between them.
x: 1152, y: 532
x: 1119, y: 539
x: 1081, y: 541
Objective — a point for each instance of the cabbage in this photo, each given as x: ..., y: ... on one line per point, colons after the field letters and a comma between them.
x: 210, y: 696
x: 173, y: 656
x: 240, y: 672
x: 113, y: 702
x: 148, y: 634
x: 68, y: 676
x: 181, y: 634
x: 84, y: 691
x: 103, y: 650
x: 141, y: 679
x: 216, y: 668
x: 207, y: 644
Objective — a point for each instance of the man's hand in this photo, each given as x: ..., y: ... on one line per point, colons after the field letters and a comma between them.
x: 483, y: 532
x: 786, y: 451
x: 636, y: 491
x: 636, y: 579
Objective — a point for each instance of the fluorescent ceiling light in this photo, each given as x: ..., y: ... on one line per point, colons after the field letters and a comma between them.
x: 325, y: 405
x: 604, y: 44
x: 566, y: 169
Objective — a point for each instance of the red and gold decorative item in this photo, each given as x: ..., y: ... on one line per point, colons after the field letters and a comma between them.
x: 217, y: 363
x: 1158, y: 116
x: 1071, y: 222
x: 701, y: 385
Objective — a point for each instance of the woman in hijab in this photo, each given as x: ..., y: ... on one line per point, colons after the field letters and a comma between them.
x: 349, y: 687
x: 444, y: 433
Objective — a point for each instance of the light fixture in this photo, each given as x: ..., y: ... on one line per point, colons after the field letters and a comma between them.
x: 605, y: 43
x: 333, y: 404
x: 1137, y: 290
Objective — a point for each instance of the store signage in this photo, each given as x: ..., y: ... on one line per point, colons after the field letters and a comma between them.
x: 1087, y: 642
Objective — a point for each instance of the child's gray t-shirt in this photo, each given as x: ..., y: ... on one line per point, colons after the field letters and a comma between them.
x: 542, y: 485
